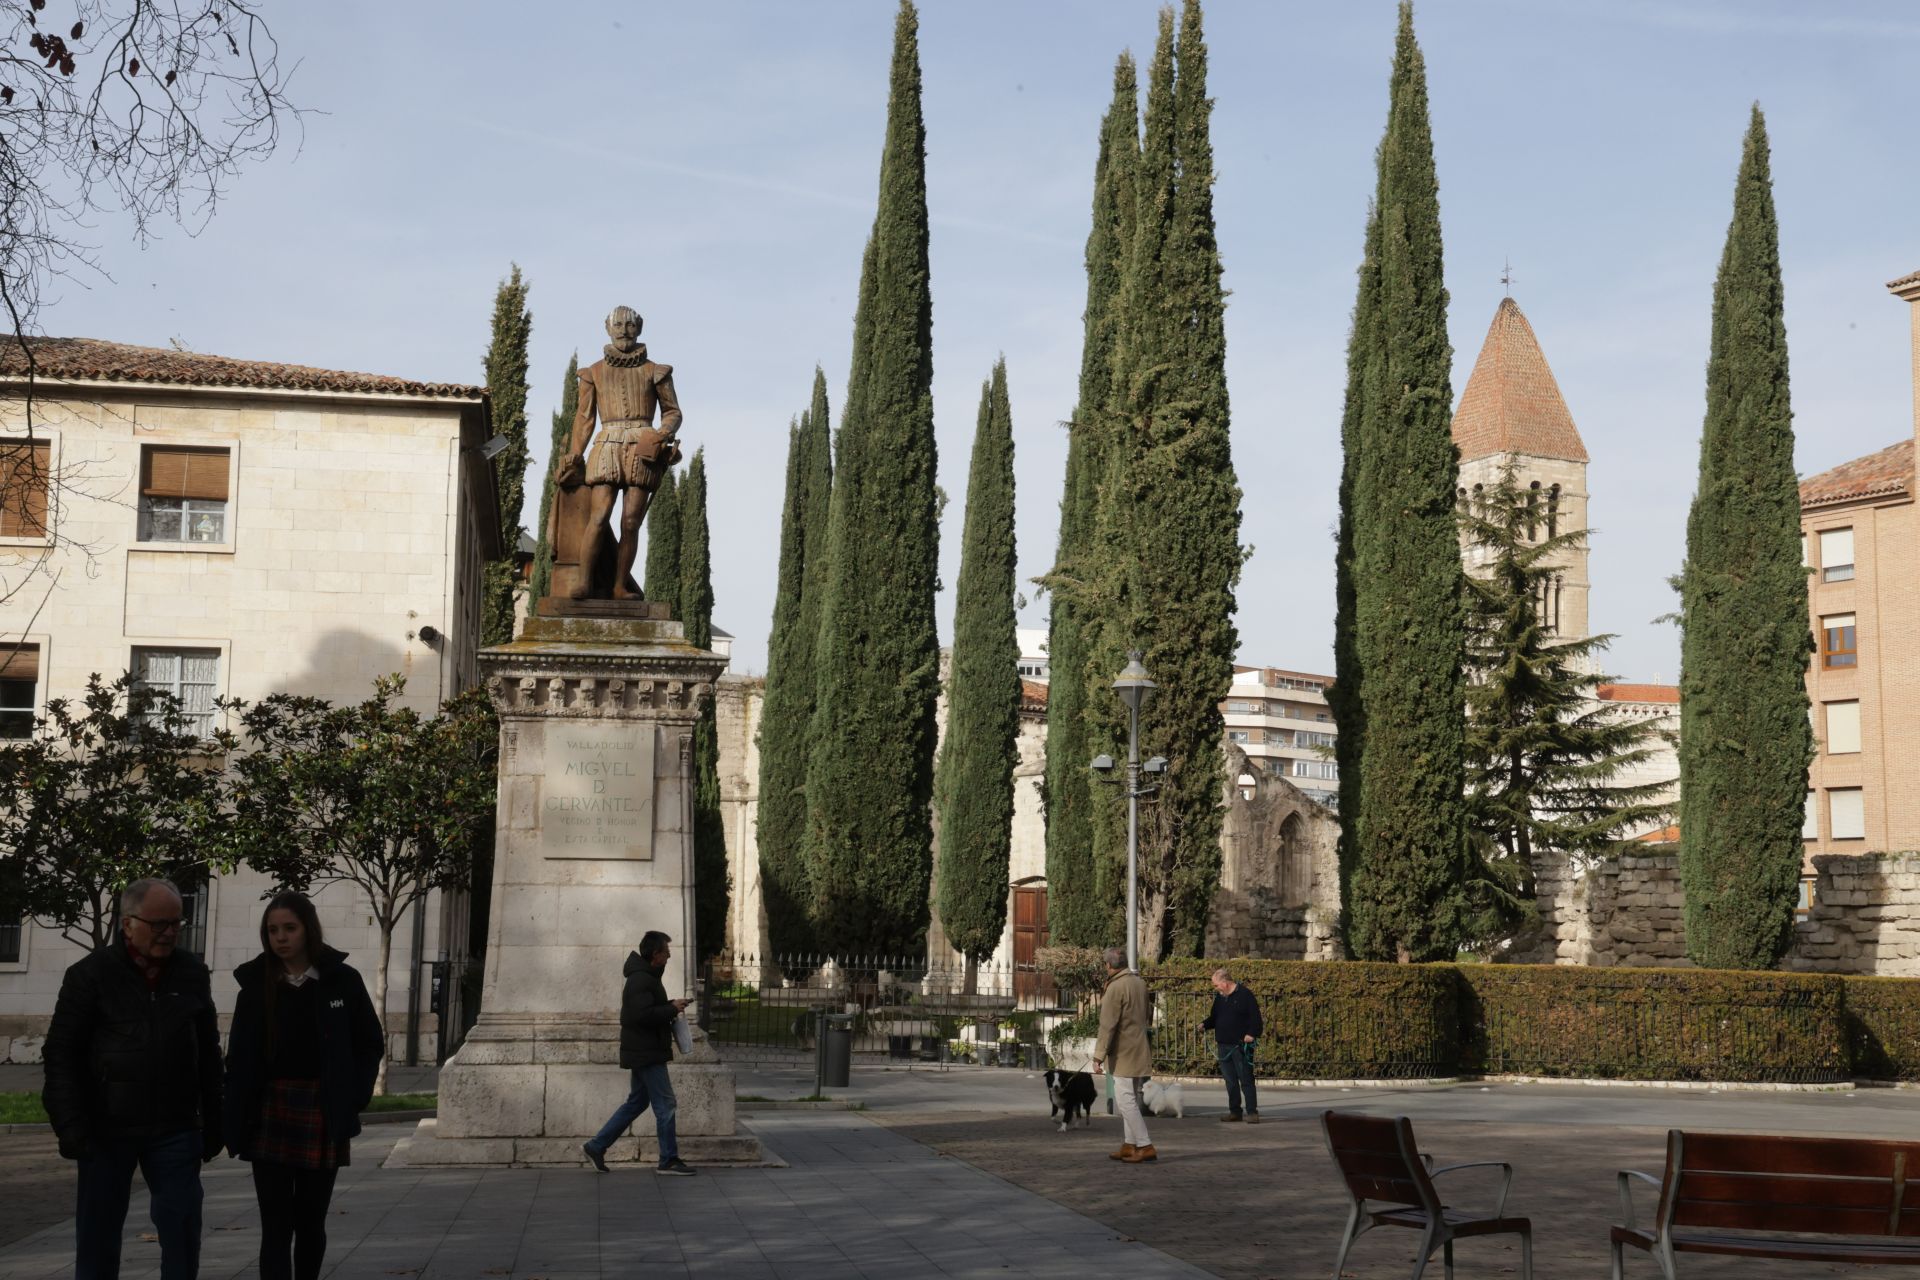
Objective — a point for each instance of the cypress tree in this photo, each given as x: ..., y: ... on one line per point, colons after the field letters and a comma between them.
x: 541, y: 583
x: 1169, y: 518
x: 973, y: 789
x: 869, y: 843
x: 663, y: 543
x: 1402, y: 599
x: 1745, y: 742
x: 1544, y: 754
x: 506, y: 369
x: 786, y: 715
x: 711, y: 879
x: 1077, y: 913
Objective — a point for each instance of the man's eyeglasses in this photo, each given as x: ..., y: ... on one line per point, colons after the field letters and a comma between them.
x: 160, y: 926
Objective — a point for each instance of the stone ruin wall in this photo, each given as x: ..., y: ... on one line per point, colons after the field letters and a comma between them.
x: 1630, y: 911
x: 1279, y: 895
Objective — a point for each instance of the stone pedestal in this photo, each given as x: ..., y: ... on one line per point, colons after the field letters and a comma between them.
x: 594, y: 847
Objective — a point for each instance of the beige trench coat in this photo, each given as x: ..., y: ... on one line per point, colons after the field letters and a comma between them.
x: 1122, y: 1042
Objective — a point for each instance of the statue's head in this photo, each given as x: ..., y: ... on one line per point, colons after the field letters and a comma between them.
x: 623, y: 326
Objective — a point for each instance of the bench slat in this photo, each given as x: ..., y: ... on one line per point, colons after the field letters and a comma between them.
x: 1761, y: 1153
x: 1761, y: 1189
x: 1764, y: 1217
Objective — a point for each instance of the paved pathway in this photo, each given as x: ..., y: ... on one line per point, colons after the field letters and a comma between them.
x: 857, y: 1200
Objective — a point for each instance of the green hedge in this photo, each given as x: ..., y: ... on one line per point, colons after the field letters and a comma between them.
x: 1883, y: 1027
x: 1345, y: 1021
x: 1652, y: 1024
x: 1350, y: 1020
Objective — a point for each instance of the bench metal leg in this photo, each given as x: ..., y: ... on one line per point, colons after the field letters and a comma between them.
x: 1619, y: 1271
x: 1446, y: 1255
x: 1526, y: 1254
x: 1347, y: 1237
x: 1428, y: 1238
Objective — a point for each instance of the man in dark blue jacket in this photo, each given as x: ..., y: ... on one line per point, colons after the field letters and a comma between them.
x: 133, y: 1080
x: 1235, y: 1022
x: 646, y: 1046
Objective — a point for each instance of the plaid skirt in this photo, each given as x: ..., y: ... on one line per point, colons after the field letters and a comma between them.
x: 293, y: 1128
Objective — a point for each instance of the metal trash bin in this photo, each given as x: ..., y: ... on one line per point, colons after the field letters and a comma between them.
x: 836, y: 1060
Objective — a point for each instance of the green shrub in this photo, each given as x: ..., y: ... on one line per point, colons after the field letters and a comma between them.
x: 1324, y: 1021
x: 1883, y: 1027
x: 1652, y: 1024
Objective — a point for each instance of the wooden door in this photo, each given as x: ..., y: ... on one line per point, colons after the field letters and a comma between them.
x: 1030, y: 986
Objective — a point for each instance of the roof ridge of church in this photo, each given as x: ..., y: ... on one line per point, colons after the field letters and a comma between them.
x: 1512, y: 403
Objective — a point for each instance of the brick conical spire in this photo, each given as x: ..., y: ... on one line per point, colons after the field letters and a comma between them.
x: 1512, y: 403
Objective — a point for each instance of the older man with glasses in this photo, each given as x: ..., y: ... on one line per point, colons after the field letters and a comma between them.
x: 132, y: 1066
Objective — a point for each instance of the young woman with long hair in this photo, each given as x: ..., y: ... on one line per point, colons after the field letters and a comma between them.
x: 302, y: 1055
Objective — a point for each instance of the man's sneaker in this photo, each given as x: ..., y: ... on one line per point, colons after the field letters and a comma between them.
x: 1232, y: 1117
x: 599, y: 1158
x: 1253, y: 1117
x: 675, y: 1168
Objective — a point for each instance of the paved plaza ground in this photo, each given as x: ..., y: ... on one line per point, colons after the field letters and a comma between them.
x: 958, y: 1173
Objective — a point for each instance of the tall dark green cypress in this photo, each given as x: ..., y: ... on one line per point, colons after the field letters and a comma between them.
x: 869, y: 846
x: 1745, y: 742
x: 973, y: 788
x: 506, y: 369
x: 1170, y: 515
x: 663, y: 542
x: 541, y: 582
x: 1407, y: 856
x: 713, y: 884
x: 1077, y: 913
x: 786, y: 715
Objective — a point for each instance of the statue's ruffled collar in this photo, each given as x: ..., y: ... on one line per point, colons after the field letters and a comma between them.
x: 626, y: 359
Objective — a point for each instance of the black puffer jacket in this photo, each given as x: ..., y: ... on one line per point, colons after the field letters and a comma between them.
x: 646, y: 1017
x: 125, y: 1062
x: 350, y: 1048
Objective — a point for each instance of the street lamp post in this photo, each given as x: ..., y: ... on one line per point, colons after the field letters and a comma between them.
x: 1133, y: 685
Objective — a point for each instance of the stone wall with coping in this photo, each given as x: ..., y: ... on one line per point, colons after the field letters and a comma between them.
x: 1630, y: 911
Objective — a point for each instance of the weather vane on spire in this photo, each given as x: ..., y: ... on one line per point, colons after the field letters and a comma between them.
x: 1506, y: 276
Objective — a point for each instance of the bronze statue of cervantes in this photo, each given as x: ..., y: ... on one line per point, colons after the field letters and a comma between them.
x: 627, y: 459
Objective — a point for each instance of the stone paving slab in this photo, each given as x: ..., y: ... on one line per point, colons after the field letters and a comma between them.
x: 858, y: 1200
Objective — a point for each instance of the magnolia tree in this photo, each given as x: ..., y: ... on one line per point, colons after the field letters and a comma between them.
x: 378, y: 795
x: 113, y: 787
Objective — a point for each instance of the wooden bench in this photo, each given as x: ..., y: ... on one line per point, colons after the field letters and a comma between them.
x: 1380, y: 1162
x: 1756, y: 1196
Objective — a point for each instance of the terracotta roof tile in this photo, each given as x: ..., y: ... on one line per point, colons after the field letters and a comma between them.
x: 92, y: 359
x: 1665, y: 835
x: 1911, y: 278
x: 1886, y: 473
x: 1033, y: 694
x: 1638, y: 693
x: 1512, y: 403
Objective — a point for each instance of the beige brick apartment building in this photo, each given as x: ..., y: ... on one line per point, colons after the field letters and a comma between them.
x: 231, y: 528
x: 1863, y: 552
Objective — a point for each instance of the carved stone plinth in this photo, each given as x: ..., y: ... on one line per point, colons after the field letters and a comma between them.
x: 593, y: 848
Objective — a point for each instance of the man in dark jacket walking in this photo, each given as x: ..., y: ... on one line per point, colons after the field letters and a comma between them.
x: 646, y: 1046
x: 1236, y: 1026
x: 132, y: 1064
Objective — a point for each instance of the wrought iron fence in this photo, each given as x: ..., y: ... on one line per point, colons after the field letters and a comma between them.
x: 766, y: 1009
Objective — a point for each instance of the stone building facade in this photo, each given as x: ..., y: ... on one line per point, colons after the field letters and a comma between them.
x: 230, y: 528
x: 1279, y: 895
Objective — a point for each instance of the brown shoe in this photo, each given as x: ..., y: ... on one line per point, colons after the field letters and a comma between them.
x: 1253, y: 1117
x: 1124, y: 1153
x: 1141, y: 1155
x: 1232, y: 1117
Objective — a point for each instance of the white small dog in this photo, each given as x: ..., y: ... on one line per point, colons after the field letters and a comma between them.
x: 1163, y: 1100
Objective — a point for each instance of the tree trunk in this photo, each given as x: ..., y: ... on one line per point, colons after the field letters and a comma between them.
x: 380, y: 997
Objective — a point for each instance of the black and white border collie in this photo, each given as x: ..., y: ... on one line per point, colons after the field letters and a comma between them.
x: 1072, y: 1094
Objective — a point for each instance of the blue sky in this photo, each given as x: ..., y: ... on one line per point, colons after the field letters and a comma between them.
x: 714, y: 166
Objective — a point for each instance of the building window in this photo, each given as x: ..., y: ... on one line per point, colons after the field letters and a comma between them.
x: 1840, y: 642
x: 1553, y: 511
x: 23, y: 488
x: 1243, y: 708
x: 1323, y: 717
x: 1308, y: 738
x: 1803, y: 904
x: 10, y: 931
x: 1238, y: 735
x: 1810, y: 817
x: 1279, y: 737
x: 1843, y: 728
x: 192, y: 676
x: 1836, y: 555
x: 1325, y: 769
x: 183, y: 494
x: 1533, y: 509
x: 19, y: 685
x: 1847, y: 813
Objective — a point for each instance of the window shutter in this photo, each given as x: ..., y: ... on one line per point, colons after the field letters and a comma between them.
x: 23, y: 489
x: 1843, y: 728
x: 20, y: 662
x: 171, y: 472
x: 1836, y: 547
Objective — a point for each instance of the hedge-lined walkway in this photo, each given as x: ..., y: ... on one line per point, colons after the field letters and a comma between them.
x: 1261, y: 1202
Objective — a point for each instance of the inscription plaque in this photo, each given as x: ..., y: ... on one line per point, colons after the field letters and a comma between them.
x: 596, y: 797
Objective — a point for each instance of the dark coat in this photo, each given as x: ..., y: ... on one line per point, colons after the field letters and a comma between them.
x: 1235, y: 1016
x: 123, y: 1062
x: 646, y: 1017
x: 352, y: 1045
